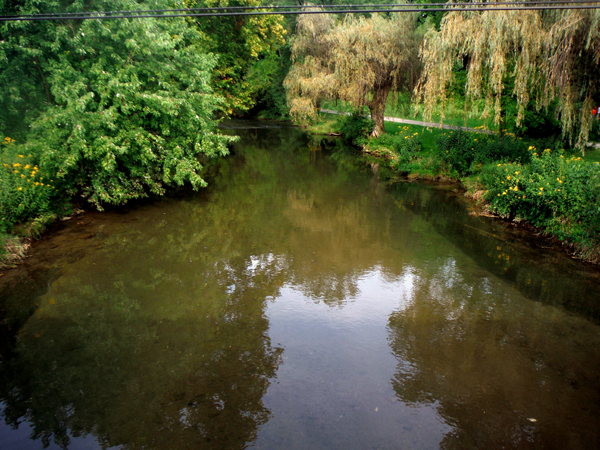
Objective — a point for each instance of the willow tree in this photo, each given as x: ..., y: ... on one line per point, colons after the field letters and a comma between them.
x: 548, y: 55
x: 359, y: 60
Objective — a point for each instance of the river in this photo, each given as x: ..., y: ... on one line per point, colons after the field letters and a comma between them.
x: 299, y: 302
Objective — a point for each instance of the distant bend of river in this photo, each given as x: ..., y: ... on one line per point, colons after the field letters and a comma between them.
x: 298, y: 303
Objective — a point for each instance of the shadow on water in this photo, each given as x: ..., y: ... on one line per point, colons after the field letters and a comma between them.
x: 153, y: 329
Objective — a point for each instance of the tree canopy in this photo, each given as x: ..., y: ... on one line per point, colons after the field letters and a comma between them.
x: 240, y: 44
x: 359, y: 60
x: 549, y: 56
x: 114, y: 109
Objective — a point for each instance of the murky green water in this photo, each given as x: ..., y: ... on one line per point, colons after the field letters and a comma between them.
x: 299, y: 303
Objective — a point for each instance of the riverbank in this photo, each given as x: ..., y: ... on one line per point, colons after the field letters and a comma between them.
x: 520, y: 181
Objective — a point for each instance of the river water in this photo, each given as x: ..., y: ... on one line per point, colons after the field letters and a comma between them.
x: 299, y: 303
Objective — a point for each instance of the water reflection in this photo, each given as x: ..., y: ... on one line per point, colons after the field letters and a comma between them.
x: 143, y: 371
x: 506, y: 372
x: 164, y: 327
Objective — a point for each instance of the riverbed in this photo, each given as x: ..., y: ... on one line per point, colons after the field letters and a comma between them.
x: 299, y: 302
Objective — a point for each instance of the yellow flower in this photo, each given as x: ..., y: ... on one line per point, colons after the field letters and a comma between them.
x: 541, y: 189
x: 27, y: 166
x: 20, y: 189
x: 508, y: 178
x: 559, y: 180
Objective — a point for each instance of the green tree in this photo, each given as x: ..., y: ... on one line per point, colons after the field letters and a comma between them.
x: 128, y: 107
x: 551, y: 57
x: 241, y: 43
x: 359, y: 60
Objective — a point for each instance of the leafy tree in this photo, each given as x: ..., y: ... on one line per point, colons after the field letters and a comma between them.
x: 241, y: 43
x: 360, y: 60
x: 128, y: 103
x: 551, y: 57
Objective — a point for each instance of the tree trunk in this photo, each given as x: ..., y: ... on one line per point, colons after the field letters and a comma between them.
x: 377, y: 108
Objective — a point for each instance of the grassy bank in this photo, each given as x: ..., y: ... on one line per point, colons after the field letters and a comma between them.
x: 520, y: 180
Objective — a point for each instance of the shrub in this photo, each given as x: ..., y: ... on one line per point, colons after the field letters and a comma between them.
x: 355, y: 128
x: 462, y: 151
x: 556, y: 192
x: 456, y: 151
x: 25, y: 191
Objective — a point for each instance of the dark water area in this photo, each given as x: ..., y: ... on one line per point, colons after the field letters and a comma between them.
x: 299, y: 303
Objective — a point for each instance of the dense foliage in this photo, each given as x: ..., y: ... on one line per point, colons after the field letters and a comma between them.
x: 464, y: 153
x: 545, y: 59
x: 247, y: 50
x: 128, y: 106
x: 554, y: 191
x: 359, y: 60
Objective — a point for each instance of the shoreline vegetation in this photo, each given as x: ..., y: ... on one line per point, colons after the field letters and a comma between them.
x: 526, y: 182
x: 101, y: 113
x: 505, y: 176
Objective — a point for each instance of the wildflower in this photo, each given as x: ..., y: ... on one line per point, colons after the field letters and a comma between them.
x: 20, y: 189
x: 508, y: 178
x: 21, y: 156
x: 541, y: 189
x: 27, y: 166
x: 517, y: 173
x: 559, y: 180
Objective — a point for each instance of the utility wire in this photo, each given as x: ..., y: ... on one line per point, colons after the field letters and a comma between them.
x: 448, y: 7
x: 295, y: 7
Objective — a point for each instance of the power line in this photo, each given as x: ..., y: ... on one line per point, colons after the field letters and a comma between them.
x: 254, y: 11
x: 295, y: 7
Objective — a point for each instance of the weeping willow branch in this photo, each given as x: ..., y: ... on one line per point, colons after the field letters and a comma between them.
x: 550, y: 55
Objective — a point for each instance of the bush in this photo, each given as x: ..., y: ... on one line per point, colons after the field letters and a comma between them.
x: 355, y: 128
x: 457, y: 151
x: 556, y: 192
x: 25, y: 191
x: 462, y: 151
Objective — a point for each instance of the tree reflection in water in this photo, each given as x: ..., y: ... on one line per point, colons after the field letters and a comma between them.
x: 506, y: 372
x: 152, y: 332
